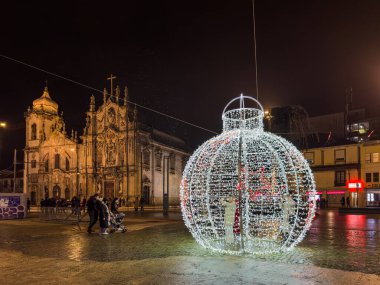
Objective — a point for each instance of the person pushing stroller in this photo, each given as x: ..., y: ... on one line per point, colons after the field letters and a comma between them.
x: 116, y: 218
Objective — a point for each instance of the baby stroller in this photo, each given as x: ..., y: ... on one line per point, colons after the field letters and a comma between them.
x: 116, y: 223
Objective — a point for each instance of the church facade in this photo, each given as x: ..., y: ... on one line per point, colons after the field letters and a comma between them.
x: 115, y: 155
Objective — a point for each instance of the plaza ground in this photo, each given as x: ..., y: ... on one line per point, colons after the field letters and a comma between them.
x: 339, y: 249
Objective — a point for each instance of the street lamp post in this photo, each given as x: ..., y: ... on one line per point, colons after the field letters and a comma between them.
x: 165, y: 186
x: 357, y: 194
x: 3, y: 125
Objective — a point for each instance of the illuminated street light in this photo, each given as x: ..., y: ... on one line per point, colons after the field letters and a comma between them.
x: 3, y: 124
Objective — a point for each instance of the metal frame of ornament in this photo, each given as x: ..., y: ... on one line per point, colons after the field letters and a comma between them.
x: 249, y: 171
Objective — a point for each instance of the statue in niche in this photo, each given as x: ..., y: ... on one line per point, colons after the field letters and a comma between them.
x: 111, y: 154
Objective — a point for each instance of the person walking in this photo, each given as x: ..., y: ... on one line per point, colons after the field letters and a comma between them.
x: 92, y: 212
x: 136, y: 204
x: 348, y: 202
x: 28, y: 205
x: 104, y: 217
x: 342, y: 201
x: 142, y: 202
x: 83, y: 206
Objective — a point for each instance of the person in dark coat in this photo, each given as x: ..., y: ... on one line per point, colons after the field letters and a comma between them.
x: 83, y: 205
x: 142, y: 202
x: 136, y: 203
x: 92, y: 212
x: 28, y: 205
x: 115, y: 206
x: 104, y: 217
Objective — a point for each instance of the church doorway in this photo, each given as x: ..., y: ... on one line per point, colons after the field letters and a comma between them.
x: 56, y: 192
x: 33, y: 198
x: 146, y: 195
x: 109, y: 189
x: 67, y: 194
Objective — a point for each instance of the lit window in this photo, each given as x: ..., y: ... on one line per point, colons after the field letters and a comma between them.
x: 340, y: 156
x: 372, y: 157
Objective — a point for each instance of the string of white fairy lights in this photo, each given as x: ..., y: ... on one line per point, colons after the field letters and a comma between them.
x: 246, y: 190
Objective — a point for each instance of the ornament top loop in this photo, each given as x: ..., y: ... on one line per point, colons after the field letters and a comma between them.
x: 243, y: 118
x: 241, y: 98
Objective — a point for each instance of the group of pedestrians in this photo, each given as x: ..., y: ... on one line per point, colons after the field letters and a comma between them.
x: 322, y: 203
x: 98, y: 209
x: 347, y: 200
x: 138, y: 202
x: 57, y: 205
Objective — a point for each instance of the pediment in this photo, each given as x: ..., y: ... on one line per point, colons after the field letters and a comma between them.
x: 57, y: 138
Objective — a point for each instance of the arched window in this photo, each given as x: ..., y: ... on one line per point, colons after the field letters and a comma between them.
x: 47, y: 165
x: 172, y: 163
x: 158, y: 155
x: 67, y: 164
x: 56, y: 161
x: 99, y: 158
x: 34, y: 132
x: 146, y: 158
x: 67, y: 194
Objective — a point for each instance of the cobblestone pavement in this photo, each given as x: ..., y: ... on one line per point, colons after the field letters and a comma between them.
x: 157, y: 250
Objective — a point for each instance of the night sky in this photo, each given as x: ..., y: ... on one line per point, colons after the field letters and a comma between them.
x: 187, y: 58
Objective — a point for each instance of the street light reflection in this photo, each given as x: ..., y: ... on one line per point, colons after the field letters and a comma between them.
x: 75, y: 248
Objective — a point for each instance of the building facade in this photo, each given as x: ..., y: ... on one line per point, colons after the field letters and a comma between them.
x: 350, y: 170
x: 115, y: 156
x: 371, y: 169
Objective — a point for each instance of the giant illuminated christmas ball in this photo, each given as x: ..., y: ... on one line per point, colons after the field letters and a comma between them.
x: 247, y: 190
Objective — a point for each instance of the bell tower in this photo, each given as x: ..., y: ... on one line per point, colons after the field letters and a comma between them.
x: 40, y: 121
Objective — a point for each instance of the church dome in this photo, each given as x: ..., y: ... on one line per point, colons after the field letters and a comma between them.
x: 45, y: 103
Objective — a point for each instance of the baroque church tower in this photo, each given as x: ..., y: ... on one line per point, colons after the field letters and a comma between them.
x: 109, y: 145
x: 50, y: 154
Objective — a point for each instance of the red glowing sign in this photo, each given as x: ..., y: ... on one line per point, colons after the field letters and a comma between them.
x: 335, y: 192
x: 355, y: 184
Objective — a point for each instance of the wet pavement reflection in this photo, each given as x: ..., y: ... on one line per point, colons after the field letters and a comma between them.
x: 347, y: 242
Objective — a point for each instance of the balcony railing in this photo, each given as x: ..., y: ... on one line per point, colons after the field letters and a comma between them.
x: 339, y: 183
